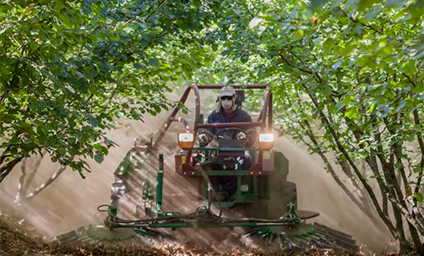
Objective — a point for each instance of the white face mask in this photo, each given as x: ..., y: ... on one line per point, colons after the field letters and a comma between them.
x: 227, y: 104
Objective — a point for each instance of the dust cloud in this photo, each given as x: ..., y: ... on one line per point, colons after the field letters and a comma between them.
x: 317, y: 191
x: 71, y: 202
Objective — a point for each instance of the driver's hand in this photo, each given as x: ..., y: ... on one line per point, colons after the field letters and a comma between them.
x: 241, y: 136
x: 203, y: 138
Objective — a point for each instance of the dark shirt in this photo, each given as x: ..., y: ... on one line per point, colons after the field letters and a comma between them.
x: 239, y: 115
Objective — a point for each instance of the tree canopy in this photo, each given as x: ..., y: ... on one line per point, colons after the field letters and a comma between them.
x: 347, y: 81
x: 67, y: 69
x: 346, y: 75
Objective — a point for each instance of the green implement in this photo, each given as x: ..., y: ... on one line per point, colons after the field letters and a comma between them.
x: 238, y: 184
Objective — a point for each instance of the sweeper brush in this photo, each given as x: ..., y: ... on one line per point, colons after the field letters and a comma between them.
x: 147, y: 193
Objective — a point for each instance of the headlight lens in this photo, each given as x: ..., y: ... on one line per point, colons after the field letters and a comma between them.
x: 185, y: 140
x: 266, y: 140
x: 266, y: 137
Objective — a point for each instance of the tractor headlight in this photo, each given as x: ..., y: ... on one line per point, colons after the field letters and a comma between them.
x: 186, y: 140
x: 266, y: 140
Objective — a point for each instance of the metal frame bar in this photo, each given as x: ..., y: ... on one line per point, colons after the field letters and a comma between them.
x: 202, y: 224
x: 235, y: 86
x: 230, y: 125
x: 264, y: 120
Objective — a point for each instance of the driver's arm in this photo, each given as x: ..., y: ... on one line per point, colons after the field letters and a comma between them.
x: 246, y: 117
x: 250, y: 132
x: 206, y: 135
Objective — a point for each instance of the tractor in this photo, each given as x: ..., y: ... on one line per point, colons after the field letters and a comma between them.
x: 264, y: 205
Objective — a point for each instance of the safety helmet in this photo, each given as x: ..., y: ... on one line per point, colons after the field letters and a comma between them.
x: 227, y: 91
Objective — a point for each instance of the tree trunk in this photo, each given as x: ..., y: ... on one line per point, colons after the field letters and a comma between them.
x: 34, y: 171
x: 416, y: 239
x: 8, y: 167
x: 22, y: 175
x: 45, y: 184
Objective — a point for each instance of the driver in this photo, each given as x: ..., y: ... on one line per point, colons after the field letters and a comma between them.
x: 227, y: 111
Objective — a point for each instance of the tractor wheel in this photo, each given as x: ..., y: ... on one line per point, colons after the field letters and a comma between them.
x: 257, y: 210
x: 282, y: 194
x: 289, y: 194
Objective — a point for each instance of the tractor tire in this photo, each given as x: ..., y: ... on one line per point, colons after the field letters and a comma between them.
x: 283, y: 193
x: 257, y: 210
x: 289, y: 194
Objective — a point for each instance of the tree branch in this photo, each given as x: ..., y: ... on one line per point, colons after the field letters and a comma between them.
x: 363, y: 24
x: 419, y: 138
x: 421, y: 144
x: 369, y: 189
x: 7, y: 168
x: 157, y: 8
x: 31, y: 176
x: 288, y: 62
x: 21, y: 181
x: 306, y: 127
x: 46, y: 183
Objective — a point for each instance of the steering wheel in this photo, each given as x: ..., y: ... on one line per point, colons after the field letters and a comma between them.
x: 235, y: 131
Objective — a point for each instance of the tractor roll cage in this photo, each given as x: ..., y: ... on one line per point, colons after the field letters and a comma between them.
x: 264, y: 120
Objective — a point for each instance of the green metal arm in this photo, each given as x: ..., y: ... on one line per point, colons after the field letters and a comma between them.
x: 159, y: 186
x: 227, y: 149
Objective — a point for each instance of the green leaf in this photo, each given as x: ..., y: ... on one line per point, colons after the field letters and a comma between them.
x: 328, y: 44
x: 363, y: 4
x: 352, y: 113
x: 226, y: 52
x: 61, y: 151
x: 197, y: 3
x: 419, y: 197
x: 97, y: 146
x: 315, y: 4
x: 394, y: 3
x: 409, y: 67
x: 401, y: 106
x: 244, y: 58
x: 93, y: 121
x: 372, y: 107
x: 337, y: 12
x: 73, y: 151
x: 372, y: 14
x: 99, y: 158
x: 340, y: 105
x: 153, y: 62
x: 349, y: 48
x: 337, y: 64
x: 298, y: 34
x: 110, y: 143
x: 137, y: 65
x: 417, y: 169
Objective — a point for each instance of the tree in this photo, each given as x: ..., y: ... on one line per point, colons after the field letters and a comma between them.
x: 347, y: 78
x: 67, y: 69
x: 346, y: 74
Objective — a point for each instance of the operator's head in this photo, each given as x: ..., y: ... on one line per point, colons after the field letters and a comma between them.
x: 227, y: 98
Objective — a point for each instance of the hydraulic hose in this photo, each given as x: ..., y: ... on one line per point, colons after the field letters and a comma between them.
x: 211, y: 190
